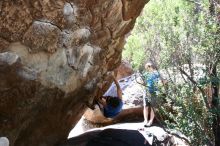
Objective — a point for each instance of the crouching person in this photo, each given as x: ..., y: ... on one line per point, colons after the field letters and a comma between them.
x: 111, y: 103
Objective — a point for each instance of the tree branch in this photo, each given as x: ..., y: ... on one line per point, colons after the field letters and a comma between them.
x: 196, y: 84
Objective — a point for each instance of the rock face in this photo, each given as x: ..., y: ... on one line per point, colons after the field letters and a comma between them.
x: 52, y: 55
x: 124, y: 70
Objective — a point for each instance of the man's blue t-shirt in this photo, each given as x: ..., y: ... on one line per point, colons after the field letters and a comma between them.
x: 111, y: 112
x: 151, y: 79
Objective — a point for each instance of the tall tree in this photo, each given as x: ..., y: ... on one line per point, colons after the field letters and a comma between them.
x: 182, y: 37
x: 214, y: 5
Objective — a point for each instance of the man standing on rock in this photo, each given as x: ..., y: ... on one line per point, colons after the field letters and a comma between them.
x: 151, y: 78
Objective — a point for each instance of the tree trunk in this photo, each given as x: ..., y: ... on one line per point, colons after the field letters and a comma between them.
x: 215, y: 103
x: 215, y: 86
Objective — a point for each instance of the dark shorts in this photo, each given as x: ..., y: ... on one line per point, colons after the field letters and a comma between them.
x: 150, y: 100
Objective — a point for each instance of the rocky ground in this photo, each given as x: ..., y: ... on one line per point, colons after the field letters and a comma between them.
x: 127, y: 134
x: 84, y: 126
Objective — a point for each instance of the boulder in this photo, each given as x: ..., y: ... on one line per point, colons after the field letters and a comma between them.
x: 53, y: 54
x: 124, y: 70
x: 129, y: 134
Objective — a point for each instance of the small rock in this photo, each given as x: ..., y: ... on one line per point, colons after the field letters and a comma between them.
x: 4, y: 141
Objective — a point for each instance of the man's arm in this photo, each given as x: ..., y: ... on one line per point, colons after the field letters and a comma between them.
x: 103, y: 102
x: 119, y: 91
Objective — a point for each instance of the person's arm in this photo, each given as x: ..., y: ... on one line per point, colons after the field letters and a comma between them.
x: 103, y: 102
x: 119, y: 91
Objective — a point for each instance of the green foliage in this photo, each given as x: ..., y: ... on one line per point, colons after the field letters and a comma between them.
x: 188, y: 114
x: 135, y: 51
x: 175, y: 34
x: 170, y: 30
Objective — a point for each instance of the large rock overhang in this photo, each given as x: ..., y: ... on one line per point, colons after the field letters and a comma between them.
x: 52, y: 56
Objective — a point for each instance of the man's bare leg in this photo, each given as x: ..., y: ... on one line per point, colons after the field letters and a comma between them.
x: 145, y: 112
x: 152, y: 115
